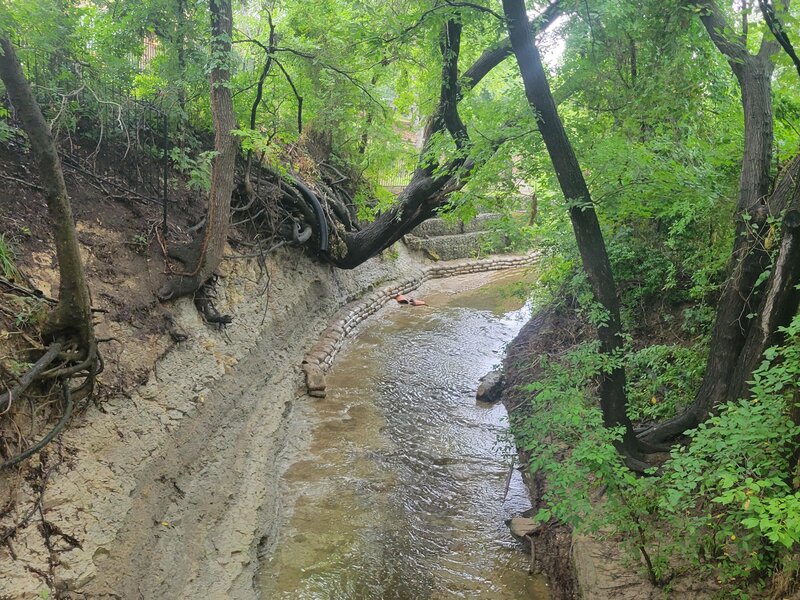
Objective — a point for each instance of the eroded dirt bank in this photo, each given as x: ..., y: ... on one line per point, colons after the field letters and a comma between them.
x: 577, y: 565
x: 170, y: 491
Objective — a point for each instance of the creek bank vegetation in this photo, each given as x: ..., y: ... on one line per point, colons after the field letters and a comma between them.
x: 708, y: 357
x: 656, y: 154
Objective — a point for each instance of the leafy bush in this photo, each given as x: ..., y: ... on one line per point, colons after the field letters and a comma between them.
x: 198, y: 169
x: 733, y: 490
x: 727, y: 504
x: 562, y: 429
x: 662, y: 379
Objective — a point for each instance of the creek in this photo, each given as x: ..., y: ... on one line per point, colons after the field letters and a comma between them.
x: 395, y: 489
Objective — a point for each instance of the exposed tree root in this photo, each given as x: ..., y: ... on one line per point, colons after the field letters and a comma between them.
x: 28, y: 378
x: 204, y: 302
x: 69, y: 405
x: 89, y: 366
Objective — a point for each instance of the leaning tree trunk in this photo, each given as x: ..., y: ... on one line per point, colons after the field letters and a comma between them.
x: 206, y: 252
x: 72, y: 317
x: 749, y: 257
x: 740, y: 297
x: 417, y: 203
x: 781, y: 297
x: 589, y: 238
x: 429, y: 186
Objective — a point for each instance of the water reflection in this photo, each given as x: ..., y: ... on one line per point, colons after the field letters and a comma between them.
x: 400, y: 496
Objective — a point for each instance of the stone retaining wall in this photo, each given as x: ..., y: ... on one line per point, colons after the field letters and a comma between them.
x: 449, y: 247
x: 437, y: 226
x: 320, y: 358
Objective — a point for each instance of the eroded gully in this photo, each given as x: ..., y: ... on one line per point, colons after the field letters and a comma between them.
x: 396, y: 489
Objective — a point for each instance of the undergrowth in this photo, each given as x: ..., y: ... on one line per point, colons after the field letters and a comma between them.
x: 7, y: 256
x: 726, y: 506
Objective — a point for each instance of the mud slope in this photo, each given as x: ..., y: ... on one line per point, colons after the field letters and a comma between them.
x: 171, y: 491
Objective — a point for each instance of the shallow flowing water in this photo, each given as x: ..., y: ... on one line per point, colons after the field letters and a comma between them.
x: 398, y: 492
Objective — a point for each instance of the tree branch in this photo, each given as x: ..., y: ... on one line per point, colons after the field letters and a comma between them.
x: 447, y: 110
x: 777, y: 29
x: 448, y: 4
x: 721, y: 33
x: 335, y: 69
x: 296, y: 95
x: 498, y: 53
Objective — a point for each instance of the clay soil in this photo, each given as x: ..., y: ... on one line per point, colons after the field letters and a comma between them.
x: 124, y: 264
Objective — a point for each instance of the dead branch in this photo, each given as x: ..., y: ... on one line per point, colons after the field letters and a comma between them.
x: 35, y: 371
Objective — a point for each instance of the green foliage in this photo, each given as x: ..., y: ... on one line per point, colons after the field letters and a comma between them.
x: 570, y: 443
x: 662, y: 379
x: 7, y: 257
x: 29, y: 311
x: 727, y: 503
x: 139, y: 243
x: 6, y: 130
x: 655, y: 118
x: 508, y: 233
x: 698, y: 318
x: 17, y: 368
x: 734, y: 489
x: 391, y: 254
x: 197, y: 168
x: 562, y: 429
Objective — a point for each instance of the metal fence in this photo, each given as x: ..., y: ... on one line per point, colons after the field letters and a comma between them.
x: 121, y: 141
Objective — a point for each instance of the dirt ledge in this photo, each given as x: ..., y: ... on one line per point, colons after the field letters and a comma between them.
x: 169, y: 491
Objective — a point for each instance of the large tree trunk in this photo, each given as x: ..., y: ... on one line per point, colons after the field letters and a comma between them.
x: 72, y: 317
x: 749, y: 257
x: 581, y: 209
x: 740, y: 296
x: 413, y: 207
x: 205, y: 253
x: 781, y: 297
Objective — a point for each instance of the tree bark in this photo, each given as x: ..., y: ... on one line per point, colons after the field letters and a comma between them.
x: 781, y: 297
x: 417, y: 203
x: 779, y: 30
x: 588, y: 235
x: 206, y: 253
x: 740, y: 296
x: 72, y: 317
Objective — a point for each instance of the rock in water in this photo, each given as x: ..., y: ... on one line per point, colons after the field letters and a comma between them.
x: 522, y: 527
x: 491, y: 387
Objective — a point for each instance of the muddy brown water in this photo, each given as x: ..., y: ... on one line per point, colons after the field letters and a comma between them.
x: 397, y: 493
